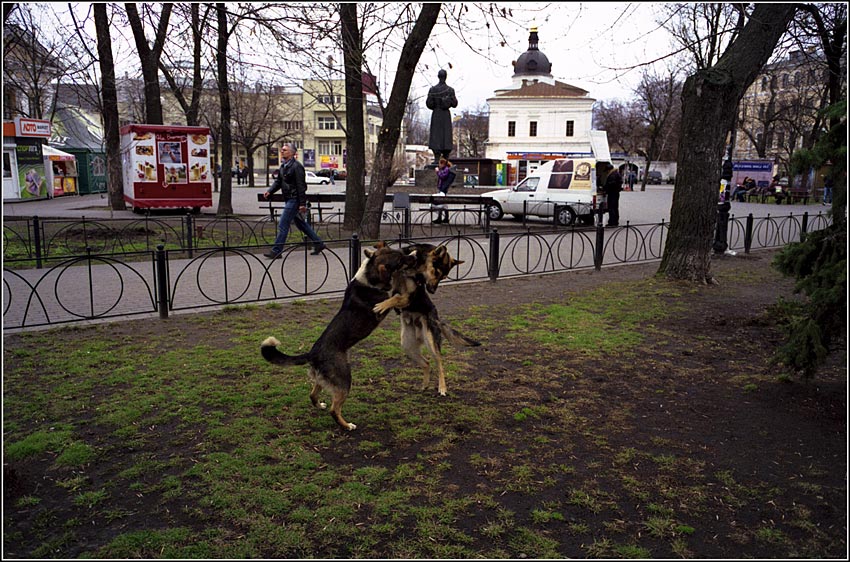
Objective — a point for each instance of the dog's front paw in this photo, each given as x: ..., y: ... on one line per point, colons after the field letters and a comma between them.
x: 351, y: 427
x: 322, y: 406
x: 442, y: 391
x: 382, y: 307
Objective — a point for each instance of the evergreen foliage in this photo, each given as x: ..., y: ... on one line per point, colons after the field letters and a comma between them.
x: 819, y: 262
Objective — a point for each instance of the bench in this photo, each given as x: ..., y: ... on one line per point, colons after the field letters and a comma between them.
x: 277, y: 198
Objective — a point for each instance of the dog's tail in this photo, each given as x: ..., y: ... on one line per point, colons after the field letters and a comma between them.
x: 271, y: 354
x: 455, y: 337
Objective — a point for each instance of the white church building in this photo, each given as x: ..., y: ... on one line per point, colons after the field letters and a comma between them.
x: 537, y: 118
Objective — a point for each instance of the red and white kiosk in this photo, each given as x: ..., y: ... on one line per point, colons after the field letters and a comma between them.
x: 166, y: 166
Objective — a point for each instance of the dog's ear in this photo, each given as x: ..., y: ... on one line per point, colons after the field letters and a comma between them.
x: 456, y: 263
x: 380, y: 244
x: 440, y: 251
x: 369, y: 253
x: 409, y: 260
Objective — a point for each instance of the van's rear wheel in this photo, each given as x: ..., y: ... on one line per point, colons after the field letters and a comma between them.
x: 566, y: 216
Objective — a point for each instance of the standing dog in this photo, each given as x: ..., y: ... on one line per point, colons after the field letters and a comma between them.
x: 420, y: 324
x: 328, y: 358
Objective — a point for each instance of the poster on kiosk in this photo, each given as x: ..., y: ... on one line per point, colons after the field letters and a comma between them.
x: 166, y: 166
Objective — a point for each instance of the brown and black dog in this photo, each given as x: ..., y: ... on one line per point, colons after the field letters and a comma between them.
x: 328, y: 358
x: 420, y: 324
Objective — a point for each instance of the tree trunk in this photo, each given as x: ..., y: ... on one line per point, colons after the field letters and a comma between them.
x: 355, y: 188
x: 111, y: 132
x: 370, y: 226
x: 149, y: 58
x: 709, y: 106
x: 225, y: 197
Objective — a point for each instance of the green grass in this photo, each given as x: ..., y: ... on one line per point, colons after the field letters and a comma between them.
x: 176, y: 440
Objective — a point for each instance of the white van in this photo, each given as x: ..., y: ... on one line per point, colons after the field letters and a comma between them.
x: 567, y: 185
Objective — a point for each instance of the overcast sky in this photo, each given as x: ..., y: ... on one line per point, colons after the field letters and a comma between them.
x: 590, y: 45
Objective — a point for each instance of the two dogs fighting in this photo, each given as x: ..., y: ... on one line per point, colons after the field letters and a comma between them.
x: 388, y: 279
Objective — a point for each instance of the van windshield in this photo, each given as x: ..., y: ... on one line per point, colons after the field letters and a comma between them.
x: 528, y: 184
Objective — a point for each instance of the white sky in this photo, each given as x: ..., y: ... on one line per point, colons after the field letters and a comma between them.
x: 590, y: 44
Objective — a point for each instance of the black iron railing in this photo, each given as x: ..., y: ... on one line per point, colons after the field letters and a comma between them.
x: 202, y: 264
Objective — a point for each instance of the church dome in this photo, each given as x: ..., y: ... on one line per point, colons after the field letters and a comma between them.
x: 532, y: 62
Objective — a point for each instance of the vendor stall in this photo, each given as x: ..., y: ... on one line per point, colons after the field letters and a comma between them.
x: 166, y: 166
x: 24, y: 173
x: 61, y: 171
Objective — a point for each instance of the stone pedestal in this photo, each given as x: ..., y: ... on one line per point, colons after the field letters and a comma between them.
x: 425, y: 179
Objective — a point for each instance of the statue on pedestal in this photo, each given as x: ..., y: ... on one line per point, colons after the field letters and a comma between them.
x: 441, y: 98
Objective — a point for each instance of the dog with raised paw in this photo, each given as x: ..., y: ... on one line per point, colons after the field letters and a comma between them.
x: 330, y: 368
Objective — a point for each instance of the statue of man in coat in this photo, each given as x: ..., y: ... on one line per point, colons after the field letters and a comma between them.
x: 441, y: 98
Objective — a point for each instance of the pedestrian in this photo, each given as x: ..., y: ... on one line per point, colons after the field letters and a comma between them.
x: 632, y: 178
x: 612, y: 187
x: 828, y: 184
x: 445, y: 177
x: 293, y: 185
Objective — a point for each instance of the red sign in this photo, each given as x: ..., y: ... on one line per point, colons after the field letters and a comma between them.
x: 32, y: 128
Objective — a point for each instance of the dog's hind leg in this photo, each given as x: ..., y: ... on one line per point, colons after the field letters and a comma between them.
x: 411, y: 343
x: 314, y: 396
x: 338, y: 398
x: 433, y: 341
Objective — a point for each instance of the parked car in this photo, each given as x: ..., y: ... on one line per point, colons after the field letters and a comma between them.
x: 311, y: 177
x: 654, y: 177
x: 330, y: 172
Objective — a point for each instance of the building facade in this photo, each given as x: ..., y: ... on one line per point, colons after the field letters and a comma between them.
x: 537, y: 118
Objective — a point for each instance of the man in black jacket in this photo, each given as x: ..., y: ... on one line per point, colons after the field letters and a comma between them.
x: 291, y: 179
x: 612, y: 188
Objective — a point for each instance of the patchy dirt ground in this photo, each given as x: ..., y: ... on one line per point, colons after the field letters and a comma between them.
x: 691, y: 447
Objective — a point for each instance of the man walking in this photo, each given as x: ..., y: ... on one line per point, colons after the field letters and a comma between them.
x: 291, y: 180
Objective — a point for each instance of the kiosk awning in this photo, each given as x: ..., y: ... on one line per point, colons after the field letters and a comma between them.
x: 57, y: 155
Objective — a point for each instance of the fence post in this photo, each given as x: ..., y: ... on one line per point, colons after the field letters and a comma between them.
x: 748, y: 234
x: 600, y: 243
x: 804, y: 226
x: 190, y: 229
x: 354, y: 254
x: 36, y: 240
x: 161, y: 282
x: 493, y: 270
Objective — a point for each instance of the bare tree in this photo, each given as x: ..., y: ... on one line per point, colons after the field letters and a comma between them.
x: 352, y: 41
x: 658, y: 103
x: 197, y: 17
x: 710, y: 99
x: 225, y: 198
x: 109, y: 93
x: 149, y: 57
x: 370, y: 226
x: 32, y: 60
x: 471, y: 131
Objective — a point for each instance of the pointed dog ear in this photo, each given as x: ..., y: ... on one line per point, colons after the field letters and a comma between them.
x: 409, y: 260
x: 456, y: 263
x: 369, y: 253
x: 440, y: 251
x: 380, y: 244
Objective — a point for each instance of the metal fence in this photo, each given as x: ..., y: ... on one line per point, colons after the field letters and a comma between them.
x: 157, y: 266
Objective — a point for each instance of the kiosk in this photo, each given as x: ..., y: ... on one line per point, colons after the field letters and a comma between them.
x: 61, y: 171
x: 166, y: 166
x: 24, y: 172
